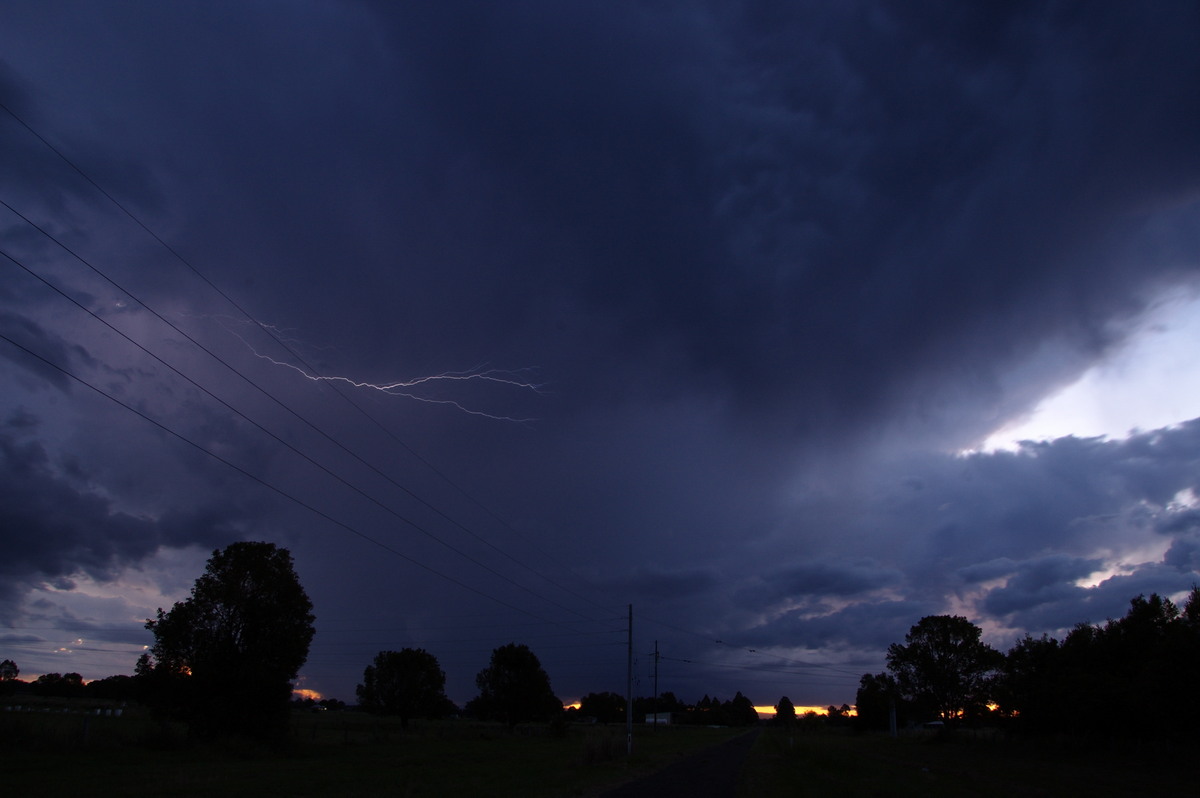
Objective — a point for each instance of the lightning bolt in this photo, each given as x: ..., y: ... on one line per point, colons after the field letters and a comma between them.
x: 401, y: 388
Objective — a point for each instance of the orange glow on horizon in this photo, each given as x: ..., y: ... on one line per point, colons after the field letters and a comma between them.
x: 304, y: 694
x: 769, y: 711
x: 763, y: 712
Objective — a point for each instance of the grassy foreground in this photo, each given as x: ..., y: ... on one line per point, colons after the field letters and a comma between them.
x: 58, y: 751
x: 343, y: 754
x: 832, y: 764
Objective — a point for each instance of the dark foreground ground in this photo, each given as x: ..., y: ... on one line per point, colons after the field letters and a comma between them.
x: 981, y: 765
x: 59, y: 752
x: 714, y: 772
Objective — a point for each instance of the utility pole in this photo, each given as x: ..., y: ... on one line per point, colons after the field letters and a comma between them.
x: 629, y: 689
x: 656, y: 686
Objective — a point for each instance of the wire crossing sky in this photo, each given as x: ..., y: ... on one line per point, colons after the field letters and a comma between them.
x: 788, y: 324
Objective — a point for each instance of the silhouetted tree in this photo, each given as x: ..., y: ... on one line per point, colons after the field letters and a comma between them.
x: 224, y: 657
x: 9, y: 671
x: 877, y: 694
x: 406, y: 683
x: 1029, y: 690
x: 668, y: 702
x: 114, y: 688
x: 1152, y: 665
x: 1079, y: 673
x: 59, y: 685
x: 1131, y: 677
x: 1191, y: 608
x: 514, y: 688
x: 785, y: 712
x: 665, y: 702
x: 837, y: 716
x: 1185, y: 653
x: 740, y: 711
x: 944, y: 663
x: 605, y: 707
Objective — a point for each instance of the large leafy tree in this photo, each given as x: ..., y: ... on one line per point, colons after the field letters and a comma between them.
x: 514, y: 688
x: 224, y: 658
x: 407, y: 683
x: 944, y: 665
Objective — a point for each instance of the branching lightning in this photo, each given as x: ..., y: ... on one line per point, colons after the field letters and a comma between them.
x: 405, y: 388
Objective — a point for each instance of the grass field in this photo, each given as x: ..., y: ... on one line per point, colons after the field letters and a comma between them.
x: 52, y: 752
x: 832, y: 764
x: 333, y: 753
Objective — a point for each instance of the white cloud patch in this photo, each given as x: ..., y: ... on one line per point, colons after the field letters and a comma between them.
x: 1152, y: 380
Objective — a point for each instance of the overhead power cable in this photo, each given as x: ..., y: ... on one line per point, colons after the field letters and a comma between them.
x: 337, y: 389
x: 747, y: 649
x: 757, y: 669
x: 394, y: 513
x: 370, y: 417
x: 265, y: 483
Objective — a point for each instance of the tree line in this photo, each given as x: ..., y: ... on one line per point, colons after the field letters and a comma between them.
x: 66, y: 685
x: 224, y: 660
x: 608, y: 707
x: 1133, y: 676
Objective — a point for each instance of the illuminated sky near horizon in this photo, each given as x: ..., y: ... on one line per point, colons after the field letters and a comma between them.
x: 1151, y: 381
x: 732, y: 312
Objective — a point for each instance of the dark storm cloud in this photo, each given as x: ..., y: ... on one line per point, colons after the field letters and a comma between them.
x: 868, y: 625
x: 17, y: 639
x: 1180, y: 522
x: 53, y: 525
x: 989, y: 517
x: 985, y: 571
x: 1061, y: 605
x: 819, y: 580
x: 1079, y: 492
x: 833, y: 212
x: 1045, y: 580
x: 1184, y: 554
x: 40, y: 345
x: 653, y: 584
x: 1037, y: 540
x: 770, y: 259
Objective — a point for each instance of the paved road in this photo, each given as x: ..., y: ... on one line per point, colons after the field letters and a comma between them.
x: 712, y: 773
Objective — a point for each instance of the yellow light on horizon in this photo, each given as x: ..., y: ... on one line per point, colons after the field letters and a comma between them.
x: 769, y: 711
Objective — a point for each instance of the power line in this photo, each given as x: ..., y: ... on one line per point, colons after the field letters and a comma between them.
x: 257, y: 425
x: 755, y: 668
x: 263, y: 482
x: 747, y: 649
x: 343, y: 644
x: 279, y: 342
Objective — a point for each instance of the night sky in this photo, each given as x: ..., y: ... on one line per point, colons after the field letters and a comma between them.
x: 504, y: 316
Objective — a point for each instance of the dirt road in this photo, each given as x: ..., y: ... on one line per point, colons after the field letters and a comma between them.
x: 712, y: 773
